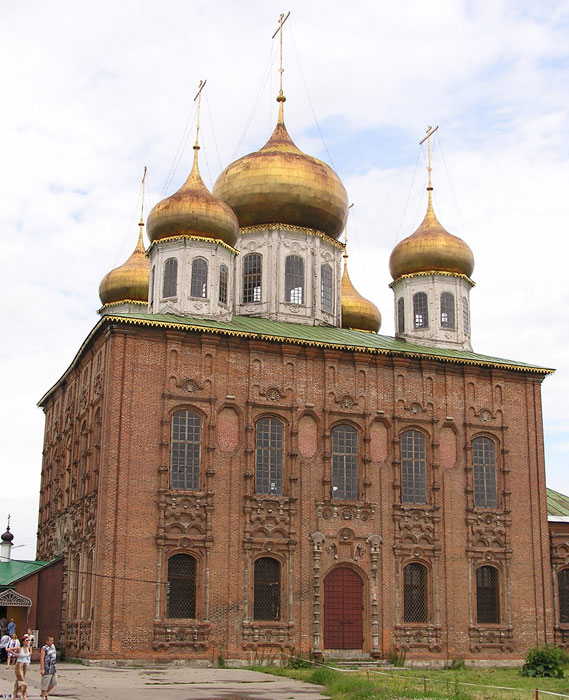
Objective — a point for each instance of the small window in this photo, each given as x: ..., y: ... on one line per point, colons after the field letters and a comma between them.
x: 420, y: 310
x: 181, y: 591
x: 447, y: 310
x: 563, y: 591
x: 223, y: 283
x: 185, y: 450
x: 345, y: 462
x: 170, y: 287
x: 415, y: 593
x: 401, y: 315
x: 487, y: 595
x: 465, y: 315
x: 252, y: 268
x: 326, y: 285
x: 198, y: 286
x: 484, y: 470
x: 294, y: 279
x: 267, y: 590
x: 269, y: 456
x: 413, y: 467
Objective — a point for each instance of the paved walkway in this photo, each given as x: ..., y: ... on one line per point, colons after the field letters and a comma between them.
x: 78, y: 682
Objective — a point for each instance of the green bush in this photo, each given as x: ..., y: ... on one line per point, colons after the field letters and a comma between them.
x: 396, y: 657
x: 546, y: 660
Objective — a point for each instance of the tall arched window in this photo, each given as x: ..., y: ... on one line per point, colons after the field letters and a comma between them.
x: 345, y: 462
x: 152, y: 276
x: 487, y: 595
x: 294, y: 279
x: 223, y: 283
x: 420, y: 310
x: 252, y: 272
x: 413, y: 467
x: 267, y: 589
x: 181, y: 591
x: 170, y: 287
x: 401, y: 315
x: 484, y: 472
x: 84, y: 459
x: 447, y: 310
x: 563, y: 592
x: 185, y: 450
x: 269, y: 456
x: 415, y: 593
x: 198, y: 286
x: 326, y: 288
x: 465, y: 315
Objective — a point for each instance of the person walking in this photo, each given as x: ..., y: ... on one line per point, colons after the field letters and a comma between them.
x: 3, y: 644
x: 12, y: 644
x: 48, y: 658
x: 11, y: 627
x: 23, y: 656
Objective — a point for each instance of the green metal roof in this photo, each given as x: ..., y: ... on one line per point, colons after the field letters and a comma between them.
x: 557, y: 503
x: 13, y: 570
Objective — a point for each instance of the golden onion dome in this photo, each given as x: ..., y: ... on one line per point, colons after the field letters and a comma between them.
x: 431, y: 248
x: 129, y: 282
x: 193, y: 210
x: 358, y: 313
x: 280, y: 184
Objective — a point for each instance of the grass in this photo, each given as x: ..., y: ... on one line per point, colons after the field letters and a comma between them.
x: 439, y: 684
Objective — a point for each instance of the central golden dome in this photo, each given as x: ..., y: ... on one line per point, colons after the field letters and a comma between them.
x: 282, y: 185
x: 358, y: 313
x: 431, y: 248
x: 193, y: 210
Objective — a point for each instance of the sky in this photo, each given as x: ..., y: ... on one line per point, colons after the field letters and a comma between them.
x: 94, y: 92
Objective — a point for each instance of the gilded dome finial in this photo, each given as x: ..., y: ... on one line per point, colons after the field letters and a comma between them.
x: 280, y: 97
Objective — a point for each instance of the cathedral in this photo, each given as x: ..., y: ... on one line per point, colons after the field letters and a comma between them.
x: 237, y: 462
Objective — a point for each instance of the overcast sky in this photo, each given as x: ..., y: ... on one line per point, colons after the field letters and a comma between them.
x: 93, y: 92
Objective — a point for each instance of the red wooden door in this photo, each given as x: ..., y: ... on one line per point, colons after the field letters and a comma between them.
x: 343, y: 626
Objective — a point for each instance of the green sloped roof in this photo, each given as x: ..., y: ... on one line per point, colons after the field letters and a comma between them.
x: 557, y: 503
x: 13, y: 570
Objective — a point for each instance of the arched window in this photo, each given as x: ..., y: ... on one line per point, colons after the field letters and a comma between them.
x: 344, y: 462
x: 413, y: 467
x: 326, y: 287
x: 465, y: 315
x: 267, y: 589
x: 563, y: 591
x: 401, y: 315
x: 294, y: 279
x: 152, y: 276
x: 181, y: 591
x: 420, y: 310
x: 269, y: 456
x: 170, y: 287
x: 487, y: 595
x: 223, y: 283
x: 484, y: 471
x: 186, y: 450
x: 447, y: 310
x: 198, y: 286
x: 252, y: 269
x: 415, y: 593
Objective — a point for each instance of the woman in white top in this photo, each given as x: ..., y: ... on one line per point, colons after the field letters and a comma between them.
x: 23, y: 655
x: 12, y: 644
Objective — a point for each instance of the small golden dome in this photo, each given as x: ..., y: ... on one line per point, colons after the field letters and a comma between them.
x: 193, y: 210
x: 282, y: 185
x: 431, y: 248
x: 129, y: 282
x: 358, y: 313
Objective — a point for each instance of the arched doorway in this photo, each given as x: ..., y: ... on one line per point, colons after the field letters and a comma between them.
x: 343, y: 609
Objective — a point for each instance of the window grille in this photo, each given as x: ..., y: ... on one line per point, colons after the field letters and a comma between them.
x: 465, y: 315
x: 401, y: 315
x: 294, y: 279
x: 269, y: 456
x: 181, y: 590
x: 198, y: 286
x: 170, y: 287
x: 186, y: 449
x: 447, y: 310
x: 252, y: 268
x: 487, y: 598
x: 267, y: 594
x: 415, y: 593
x: 413, y: 467
x: 344, y: 462
x: 420, y: 310
x: 563, y: 591
x: 223, y: 282
x: 484, y: 470
x: 326, y: 284
x: 152, y: 276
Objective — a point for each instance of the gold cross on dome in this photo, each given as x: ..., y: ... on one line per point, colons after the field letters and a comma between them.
x: 282, y: 19
x: 198, y: 97
x: 430, y: 131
